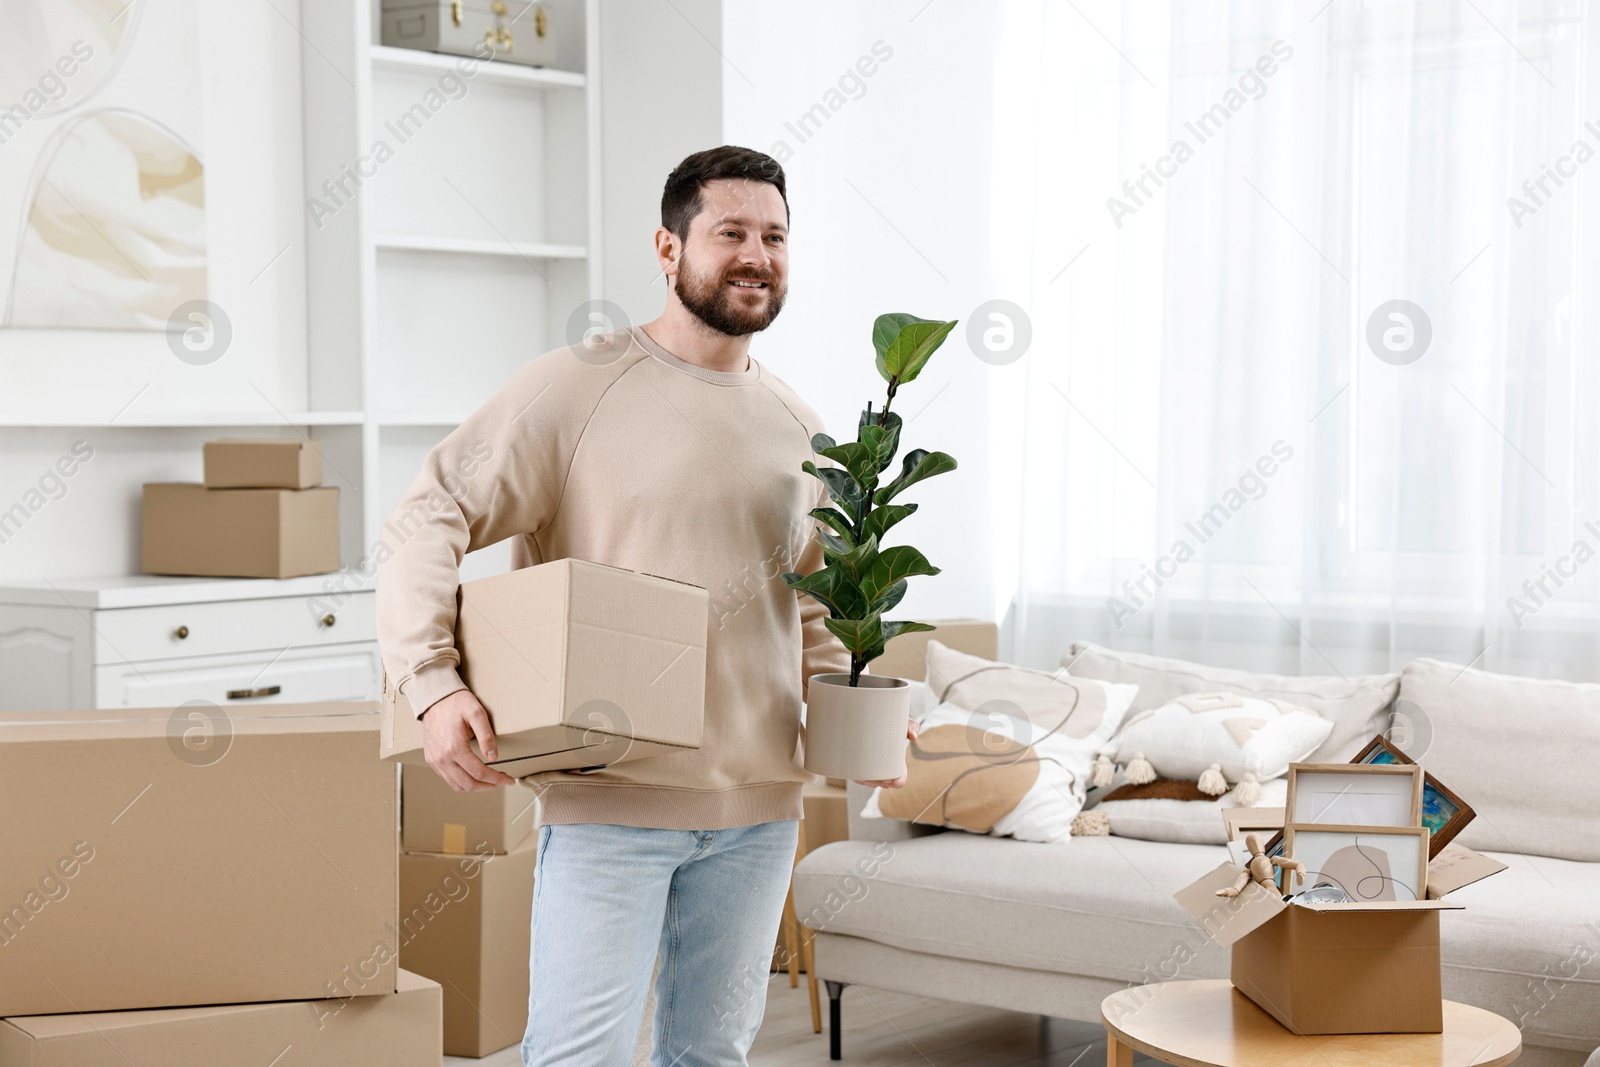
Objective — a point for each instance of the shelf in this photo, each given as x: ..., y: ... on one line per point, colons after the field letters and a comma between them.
x: 422, y: 419
x: 181, y: 419
x: 473, y: 246
x: 500, y: 72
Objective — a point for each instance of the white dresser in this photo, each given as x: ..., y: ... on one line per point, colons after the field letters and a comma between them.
x: 145, y: 641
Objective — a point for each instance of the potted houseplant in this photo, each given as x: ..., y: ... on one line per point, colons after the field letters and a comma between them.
x: 855, y: 724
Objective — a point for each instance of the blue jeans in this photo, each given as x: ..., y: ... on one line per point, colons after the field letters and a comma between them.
x: 607, y: 899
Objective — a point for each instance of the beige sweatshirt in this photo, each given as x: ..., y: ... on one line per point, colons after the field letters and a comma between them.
x: 625, y: 454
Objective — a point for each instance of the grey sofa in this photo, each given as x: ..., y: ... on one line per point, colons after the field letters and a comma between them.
x: 1054, y: 929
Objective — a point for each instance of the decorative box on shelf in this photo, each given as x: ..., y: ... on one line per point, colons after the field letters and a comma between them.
x: 146, y: 641
x: 481, y: 28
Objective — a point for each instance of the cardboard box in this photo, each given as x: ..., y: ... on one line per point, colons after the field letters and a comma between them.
x: 400, y: 1029
x: 465, y: 922
x: 906, y: 655
x: 262, y: 463
x: 578, y: 664
x: 239, y: 533
x: 435, y: 818
x: 197, y: 855
x: 1356, y: 968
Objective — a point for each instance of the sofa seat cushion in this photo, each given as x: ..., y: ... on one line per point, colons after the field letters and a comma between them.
x: 1097, y: 906
x: 1527, y: 947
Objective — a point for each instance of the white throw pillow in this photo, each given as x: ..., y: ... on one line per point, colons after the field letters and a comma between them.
x: 987, y: 771
x: 1078, y: 708
x: 1198, y: 735
x: 1186, y: 822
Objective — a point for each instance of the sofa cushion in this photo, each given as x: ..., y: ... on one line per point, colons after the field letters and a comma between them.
x: 1523, y: 752
x: 1192, y: 822
x: 1527, y: 947
x: 1097, y: 906
x: 1359, y: 706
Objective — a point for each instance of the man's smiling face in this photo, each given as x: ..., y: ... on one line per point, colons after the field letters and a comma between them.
x: 733, y: 271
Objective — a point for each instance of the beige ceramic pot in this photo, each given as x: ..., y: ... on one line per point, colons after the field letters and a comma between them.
x: 857, y: 732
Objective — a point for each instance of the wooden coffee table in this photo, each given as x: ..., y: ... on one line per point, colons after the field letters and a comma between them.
x: 1210, y: 1024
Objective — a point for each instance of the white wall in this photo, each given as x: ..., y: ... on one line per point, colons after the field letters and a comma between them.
x: 891, y: 212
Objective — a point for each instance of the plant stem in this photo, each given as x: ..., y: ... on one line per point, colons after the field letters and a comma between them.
x: 866, y: 502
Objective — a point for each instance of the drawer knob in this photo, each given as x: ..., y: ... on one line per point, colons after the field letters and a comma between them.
x: 328, y: 620
x: 181, y: 632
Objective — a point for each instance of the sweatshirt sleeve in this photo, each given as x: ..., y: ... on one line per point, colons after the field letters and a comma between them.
x: 498, y: 474
x: 822, y: 652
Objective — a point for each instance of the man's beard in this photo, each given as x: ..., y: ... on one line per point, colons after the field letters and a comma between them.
x: 711, y: 300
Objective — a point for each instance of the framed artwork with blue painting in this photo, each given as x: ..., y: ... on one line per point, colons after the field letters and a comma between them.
x: 1443, y: 813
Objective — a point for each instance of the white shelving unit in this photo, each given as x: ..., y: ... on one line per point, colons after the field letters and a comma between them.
x: 430, y: 277
x: 468, y: 242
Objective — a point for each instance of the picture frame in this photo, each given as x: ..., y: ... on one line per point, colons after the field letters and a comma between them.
x: 1370, y: 863
x: 1443, y: 813
x: 1354, y: 794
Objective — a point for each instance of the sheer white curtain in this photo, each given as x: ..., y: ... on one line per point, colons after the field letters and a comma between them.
x: 1223, y: 443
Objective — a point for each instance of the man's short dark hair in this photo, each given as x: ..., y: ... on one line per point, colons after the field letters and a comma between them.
x: 681, y: 200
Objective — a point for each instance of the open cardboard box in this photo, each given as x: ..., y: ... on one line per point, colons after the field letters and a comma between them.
x: 1356, y: 968
x: 579, y: 665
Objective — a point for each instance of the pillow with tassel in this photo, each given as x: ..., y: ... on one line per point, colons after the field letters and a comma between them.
x: 988, y: 772
x: 1217, y: 740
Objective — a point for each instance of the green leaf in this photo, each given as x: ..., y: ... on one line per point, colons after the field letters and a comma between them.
x: 858, y: 635
x: 891, y: 596
x: 918, y: 464
x: 861, y: 559
x: 892, y: 628
x: 880, y: 519
x: 840, y: 522
x: 893, y: 564
x: 885, y: 328
x: 905, y: 356
x: 859, y: 459
x: 819, y: 441
x: 833, y: 588
x: 842, y: 488
x: 834, y: 547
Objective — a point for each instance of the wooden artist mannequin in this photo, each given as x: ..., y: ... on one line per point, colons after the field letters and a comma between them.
x: 1260, y: 869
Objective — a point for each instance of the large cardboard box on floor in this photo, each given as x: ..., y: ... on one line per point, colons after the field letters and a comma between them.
x: 166, y: 857
x: 262, y: 463
x: 465, y: 922
x: 906, y: 655
x: 399, y: 1029
x: 435, y: 818
x: 1364, y: 967
x: 578, y: 664
x: 239, y: 533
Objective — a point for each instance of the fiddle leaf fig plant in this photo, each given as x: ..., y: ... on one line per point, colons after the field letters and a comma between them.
x: 861, y: 578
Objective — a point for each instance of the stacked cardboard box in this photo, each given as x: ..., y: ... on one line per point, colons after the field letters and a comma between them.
x: 262, y: 512
x: 215, y: 884
x: 466, y: 901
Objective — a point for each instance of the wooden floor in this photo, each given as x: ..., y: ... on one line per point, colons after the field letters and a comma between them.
x: 886, y: 1029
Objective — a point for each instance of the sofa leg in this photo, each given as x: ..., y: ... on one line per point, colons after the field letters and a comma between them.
x: 835, y: 990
